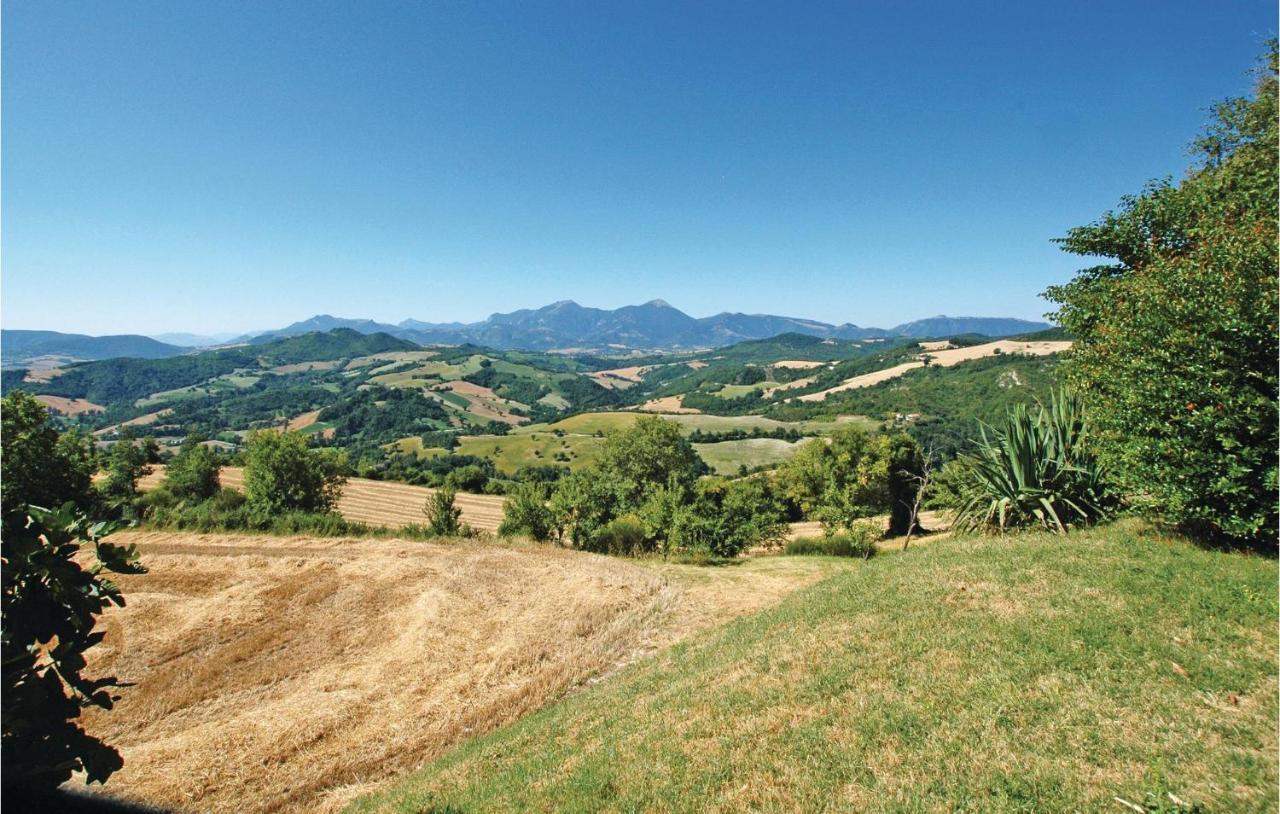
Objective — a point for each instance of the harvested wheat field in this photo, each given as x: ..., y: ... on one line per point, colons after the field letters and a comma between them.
x: 668, y: 404
x: 945, y: 358
x: 68, y: 406
x: 290, y: 674
x: 381, y: 503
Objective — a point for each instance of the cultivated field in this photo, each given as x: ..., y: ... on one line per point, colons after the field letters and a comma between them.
x: 277, y: 674
x: 70, y: 406
x: 945, y: 358
x: 382, y: 503
x: 293, y: 674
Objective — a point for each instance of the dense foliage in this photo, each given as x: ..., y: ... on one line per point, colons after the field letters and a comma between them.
x: 192, y: 474
x: 282, y: 473
x: 1176, y: 357
x: 645, y: 495
x: 1036, y: 470
x: 51, y: 599
x: 854, y: 475
x: 41, y: 466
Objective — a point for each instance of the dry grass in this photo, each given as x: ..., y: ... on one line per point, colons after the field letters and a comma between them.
x: 798, y: 364
x: 944, y: 358
x: 305, y: 367
x: 669, y: 404
x: 381, y: 503
x: 68, y: 406
x: 38, y: 373
x: 291, y: 674
x: 620, y: 377
x: 304, y: 420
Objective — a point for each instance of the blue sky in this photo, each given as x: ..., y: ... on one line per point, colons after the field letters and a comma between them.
x: 230, y: 166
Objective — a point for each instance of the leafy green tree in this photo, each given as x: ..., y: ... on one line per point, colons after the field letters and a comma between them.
x: 37, y: 465
x: 848, y: 476
x: 193, y: 472
x: 127, y: 463
x: 526, y: 512
x: 282, y: 473
x: 50, y: 605
x: 645, y: 456
x: 444, y: 518
x: 1177, y: 336
x: 582, y: 504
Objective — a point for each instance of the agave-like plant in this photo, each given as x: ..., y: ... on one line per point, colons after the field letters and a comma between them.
x: 1037, y: 470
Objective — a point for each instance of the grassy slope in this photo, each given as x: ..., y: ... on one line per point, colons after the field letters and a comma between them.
x: 977, y: 675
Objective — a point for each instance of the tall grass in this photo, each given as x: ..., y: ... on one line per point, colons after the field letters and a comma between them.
x: 1035, y: 470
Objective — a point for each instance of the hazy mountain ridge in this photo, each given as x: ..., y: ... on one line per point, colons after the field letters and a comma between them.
x: 651, y: 325
x: 654, y: 325
x: 17, y: 346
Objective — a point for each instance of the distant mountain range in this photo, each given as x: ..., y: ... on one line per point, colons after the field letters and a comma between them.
x: 18, y: 347
x: 563, y: 325
x: 655, y: 325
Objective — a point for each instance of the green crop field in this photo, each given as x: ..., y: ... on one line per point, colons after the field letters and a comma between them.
x: 991, y: 675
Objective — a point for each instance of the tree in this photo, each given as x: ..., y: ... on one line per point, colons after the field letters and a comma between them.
x: 193, y: 472
x: 444, y: 519
x: 127, y: 463
x: 50, y: 606
x: 525, y: 512
x: 1177, y: 337
x: 647, y: 455
x: 283, y: 474
x: 37, y: 465
x: 906, y: 464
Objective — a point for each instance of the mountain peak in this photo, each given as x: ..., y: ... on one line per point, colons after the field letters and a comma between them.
x: 659, y: 303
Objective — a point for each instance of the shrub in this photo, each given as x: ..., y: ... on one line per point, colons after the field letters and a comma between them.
x: 51, y: 602
x: 861, y: 544
x: 1036, y: 470
x: 526, y: 513
x: 444, y: 519
x: 622, y: 535
x: 283, y: 474
x: 1177, y: 338
x: 193, y: 472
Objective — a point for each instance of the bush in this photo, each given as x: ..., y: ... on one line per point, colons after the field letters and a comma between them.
x: 622, y: 535
x: 1037, y: 470
x: 51, y: 602
x: 859, y: 544
x: 193, y: 472
x: 1177, y: 338
x: 526, y: 513
x: 283, y: 474
x: 444, y: 519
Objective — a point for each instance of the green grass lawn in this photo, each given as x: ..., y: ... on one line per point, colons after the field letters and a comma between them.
x: 1025, y: 674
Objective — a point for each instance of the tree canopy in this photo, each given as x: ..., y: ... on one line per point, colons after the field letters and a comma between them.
x: 1177, y: 337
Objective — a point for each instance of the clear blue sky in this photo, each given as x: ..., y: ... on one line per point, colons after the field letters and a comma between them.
x: 220, y: 165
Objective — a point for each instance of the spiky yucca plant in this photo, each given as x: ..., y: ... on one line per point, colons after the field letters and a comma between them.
x: 1036, y: 470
